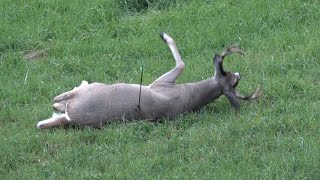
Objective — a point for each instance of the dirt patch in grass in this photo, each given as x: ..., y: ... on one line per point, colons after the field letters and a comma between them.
x: 35, y: 54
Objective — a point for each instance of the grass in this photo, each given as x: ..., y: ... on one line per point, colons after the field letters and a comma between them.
x: 275, y: 137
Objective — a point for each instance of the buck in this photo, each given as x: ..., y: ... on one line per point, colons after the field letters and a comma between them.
x: 96, y: 104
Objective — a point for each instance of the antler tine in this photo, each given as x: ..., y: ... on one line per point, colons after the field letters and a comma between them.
x: 253, y: 96
x: 230, y: 50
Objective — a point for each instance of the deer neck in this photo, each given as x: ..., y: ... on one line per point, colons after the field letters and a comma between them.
x: 203, y: 92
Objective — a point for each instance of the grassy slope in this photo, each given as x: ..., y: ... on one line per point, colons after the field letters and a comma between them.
x: 274, y: 137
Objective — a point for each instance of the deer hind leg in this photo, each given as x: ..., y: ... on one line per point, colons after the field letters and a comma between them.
x: 55, y: 121
x: 68, y: 95
x: 60, y: 107
x: 173, y: 74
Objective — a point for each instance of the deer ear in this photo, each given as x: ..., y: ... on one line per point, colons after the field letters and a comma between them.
x: 217, y: 58
x: 217, y: 61
x: 233, y: 100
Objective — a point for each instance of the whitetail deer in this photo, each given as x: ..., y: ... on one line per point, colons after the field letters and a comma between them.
x: 93, y: 105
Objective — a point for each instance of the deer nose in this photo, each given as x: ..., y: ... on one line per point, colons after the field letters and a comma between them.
x: 237, y: 75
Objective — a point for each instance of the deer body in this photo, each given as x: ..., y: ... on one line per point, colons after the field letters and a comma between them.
x: 96, y: 104
x: 100, y: 103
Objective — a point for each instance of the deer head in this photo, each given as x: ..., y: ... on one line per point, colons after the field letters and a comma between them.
x: 229, y: 80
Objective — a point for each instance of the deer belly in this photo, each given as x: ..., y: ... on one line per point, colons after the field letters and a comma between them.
x: 98, y: 105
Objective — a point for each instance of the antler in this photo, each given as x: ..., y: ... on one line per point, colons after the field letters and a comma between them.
x: 253, y: 96
x: 231, y: 50
x: 219, y: 59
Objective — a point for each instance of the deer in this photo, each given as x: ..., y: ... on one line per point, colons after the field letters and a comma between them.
x: 97, y: 104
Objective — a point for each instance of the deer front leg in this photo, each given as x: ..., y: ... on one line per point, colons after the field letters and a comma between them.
x: 173, y: 74
x: 233, y: 100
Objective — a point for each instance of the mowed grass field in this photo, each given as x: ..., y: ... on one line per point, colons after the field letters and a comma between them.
x: 274, y: 137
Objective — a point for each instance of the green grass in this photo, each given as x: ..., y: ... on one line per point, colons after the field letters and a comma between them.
x: 275, y: 137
